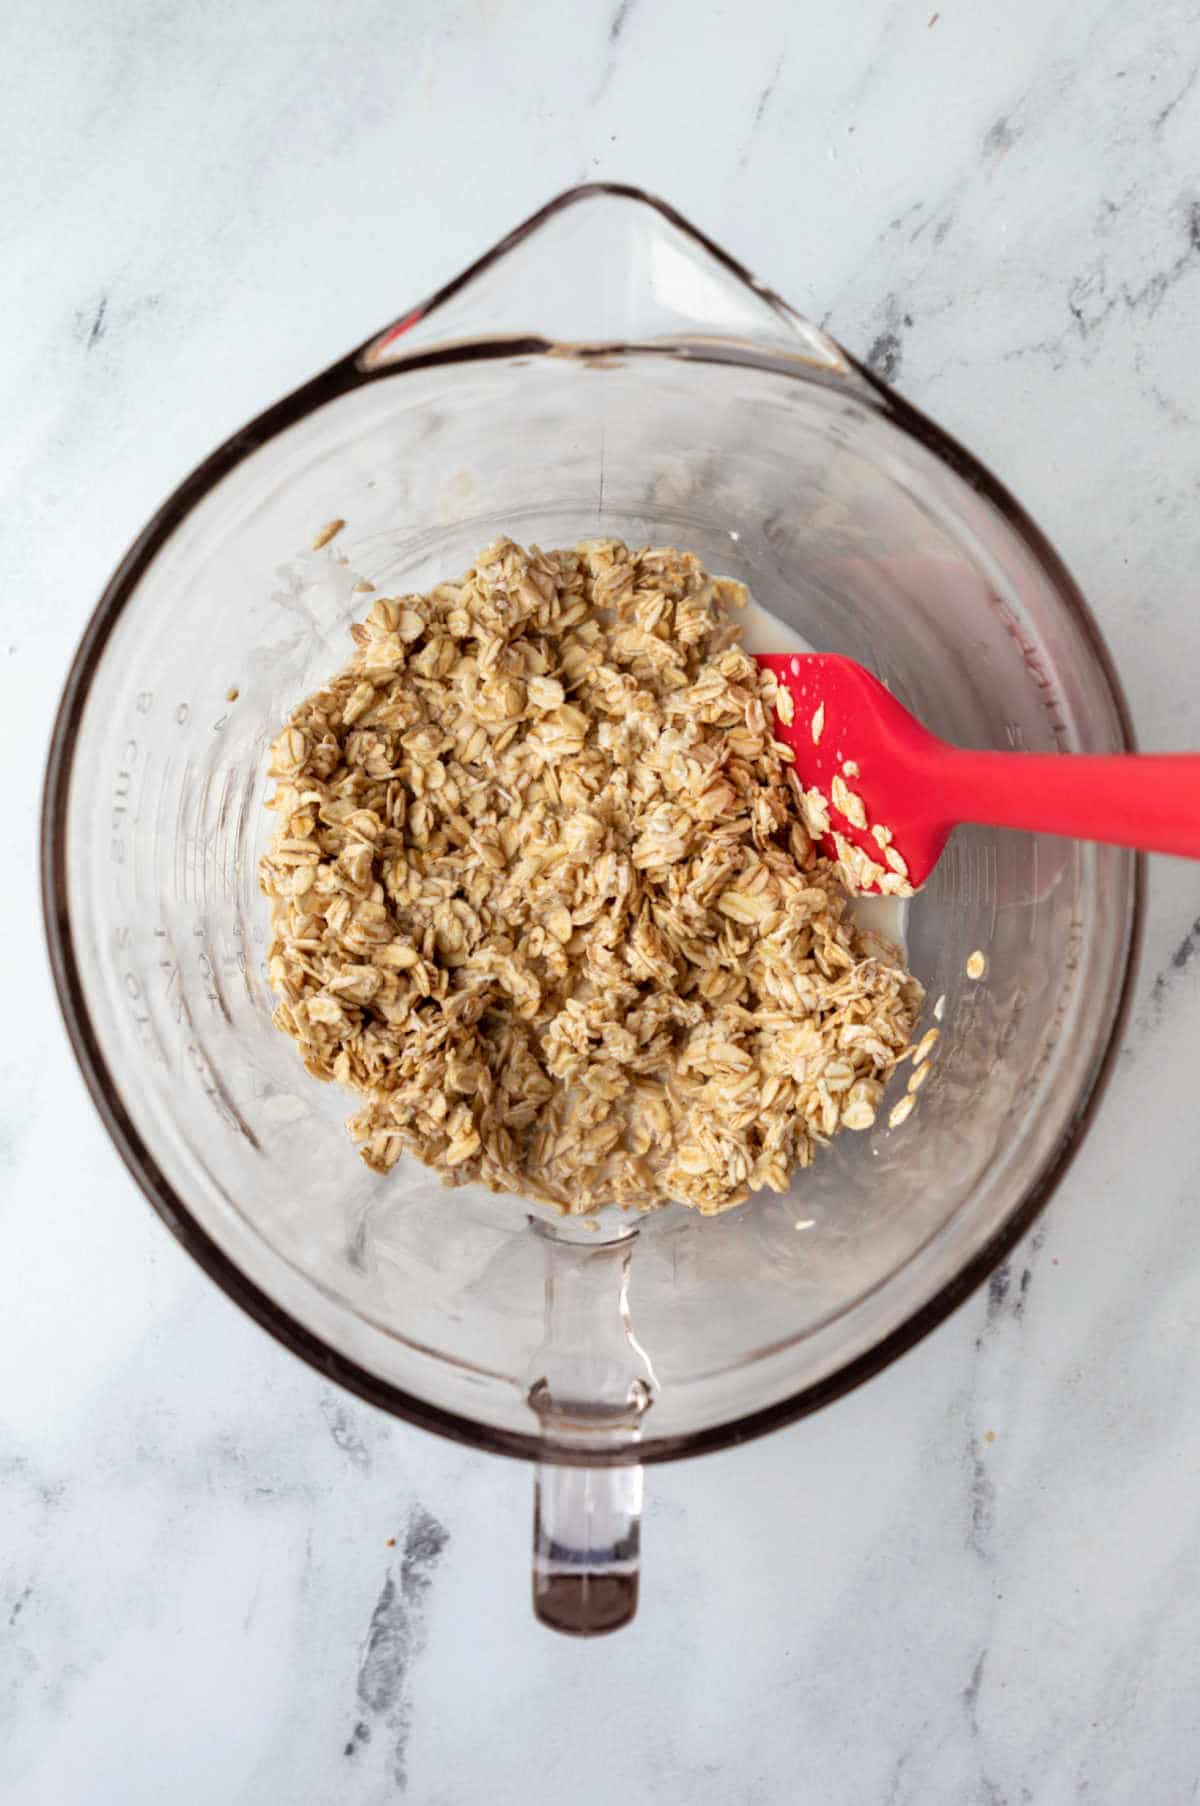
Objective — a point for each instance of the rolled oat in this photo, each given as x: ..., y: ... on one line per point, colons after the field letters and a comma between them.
x: 546, y: 895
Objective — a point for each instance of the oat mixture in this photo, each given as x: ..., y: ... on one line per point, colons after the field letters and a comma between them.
x: 543, y: 894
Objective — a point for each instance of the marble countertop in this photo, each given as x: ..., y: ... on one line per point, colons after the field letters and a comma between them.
x: 976, y: 1579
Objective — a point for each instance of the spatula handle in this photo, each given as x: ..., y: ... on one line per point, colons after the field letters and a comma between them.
x: 1145, y: 800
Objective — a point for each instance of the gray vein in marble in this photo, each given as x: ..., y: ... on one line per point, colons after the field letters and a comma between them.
x: 21, y: 1601
x: 1000, y: 136
x: 616, y: 31
x: 95, y: 329
x: 1166, y: 404
x: 982, y: 1503
x: 765, y: 96
x: 1093, y: 298
x: 1090, y: 301
x: 18, y: 1471
x: 396, y: 1635
x: 924, y: 218
x: 344, y: 1431
x: 878, y: 66
x: 764, y: 99
x: 890, y: 321
x: 1180, y: 960
x: 999, y: 1289
x: 1186, y: 949
x: 1093, y: 295
x: 1004, y: 1302
x: 896, y: 1779
x: 990, y: 1791
x: 1164, y: 113
x: 619, y: 20
x: 93, y: 320
x: 886, y: 352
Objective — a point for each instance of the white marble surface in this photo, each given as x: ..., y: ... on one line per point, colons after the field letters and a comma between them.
x: 883, y: 1606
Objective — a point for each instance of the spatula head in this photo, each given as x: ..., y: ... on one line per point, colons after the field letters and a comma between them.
x: 856, y: 745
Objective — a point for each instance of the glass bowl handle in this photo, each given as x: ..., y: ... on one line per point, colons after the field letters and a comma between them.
x: 590, y: 1384
x: 587, y: 1529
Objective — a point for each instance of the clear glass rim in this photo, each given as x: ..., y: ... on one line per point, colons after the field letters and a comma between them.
x: 352, y: 372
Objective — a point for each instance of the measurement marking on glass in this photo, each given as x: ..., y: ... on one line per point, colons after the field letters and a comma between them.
x: 180, y: 849
x: 222, y: 836
x: 199, y: 844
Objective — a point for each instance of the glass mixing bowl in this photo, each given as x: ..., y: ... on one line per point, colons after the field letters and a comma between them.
x: 604, y: 370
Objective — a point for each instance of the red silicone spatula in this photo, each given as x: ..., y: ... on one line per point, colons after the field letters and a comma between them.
x: 917, y: 786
